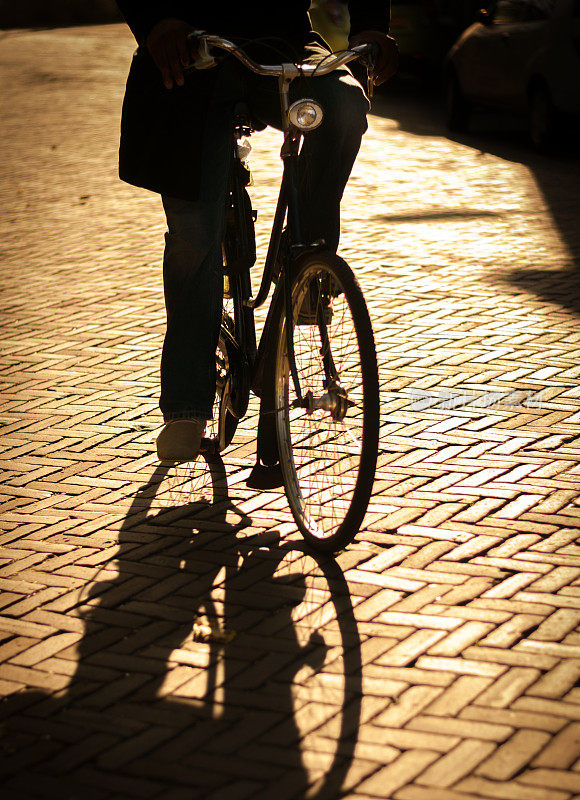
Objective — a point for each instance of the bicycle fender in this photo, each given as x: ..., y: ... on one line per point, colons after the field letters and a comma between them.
x: 239, y: 388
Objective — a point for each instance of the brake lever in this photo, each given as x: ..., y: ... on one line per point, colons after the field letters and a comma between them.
x: 204, y: 59
x: 370, y: 61
x: 370, y: 81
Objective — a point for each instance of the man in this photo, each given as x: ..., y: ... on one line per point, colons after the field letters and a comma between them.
x: 175, y: 140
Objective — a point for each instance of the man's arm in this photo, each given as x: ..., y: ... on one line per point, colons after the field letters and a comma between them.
x: 164, y: 36
x: 142, y: 15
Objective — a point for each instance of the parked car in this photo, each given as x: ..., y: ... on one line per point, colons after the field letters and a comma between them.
x: 522, y: 55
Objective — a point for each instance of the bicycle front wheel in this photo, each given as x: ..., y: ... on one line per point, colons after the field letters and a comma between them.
x: 327, y: 408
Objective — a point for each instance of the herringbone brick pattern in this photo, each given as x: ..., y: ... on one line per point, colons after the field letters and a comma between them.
x: 163, y: 634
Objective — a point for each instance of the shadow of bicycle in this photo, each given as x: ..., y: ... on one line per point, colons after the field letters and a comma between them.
x: 212, y: 659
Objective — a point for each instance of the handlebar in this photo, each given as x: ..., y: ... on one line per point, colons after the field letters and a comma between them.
x: 288, y: 71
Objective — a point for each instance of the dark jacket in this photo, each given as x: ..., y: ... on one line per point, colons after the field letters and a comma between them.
x: 160, y: 128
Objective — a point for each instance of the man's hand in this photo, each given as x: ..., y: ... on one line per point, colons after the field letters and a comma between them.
x: 170, y: 50
x: 388, y: 59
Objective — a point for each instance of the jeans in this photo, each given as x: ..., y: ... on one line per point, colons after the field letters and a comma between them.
x: 192, y: 265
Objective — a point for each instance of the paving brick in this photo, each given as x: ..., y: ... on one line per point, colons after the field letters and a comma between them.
x: 408, y: 705
x: 552, y: 778
x: 555, y: 579
x: 458, y: 727
x: 454, y: 643
x: 512, y: 630
x: 514, y: 755
x: 406, y: 739
x: 557, y: 600
x: 509, y: 790
x: 557, y: 625
x: 543, y: 649
x: 423, y: 621
x: 400, y: 772
x: 425, y: 677
x: 460, y: 694
x: 115, y: 565
x: 514, y: 657
x: 471, y: 588
x: 514, y: 545
x: 510, y: 586
x: 389, y: 558
x: 45, y: 649
x: 444, y: 534
x: 557, y: 681
x: 479, y: 544
x: 419, y: 599
x: 462, y: 666
x: 410, y: 648
x: 517, y: 719
x: 426, y: 554
x: 458, y: 763
x: 559, y: 539
x: 562, y: 751
x: 432, y: 793
x: 543, y: 706
x: 508, y: 687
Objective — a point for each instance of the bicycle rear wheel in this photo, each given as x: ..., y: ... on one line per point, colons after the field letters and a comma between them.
x: 224, y: 422
x: 328, y: 437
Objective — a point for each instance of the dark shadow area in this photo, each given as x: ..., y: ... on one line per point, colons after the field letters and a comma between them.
x: 57, y: 13
x: 418, y: 109
x: 182, y: 683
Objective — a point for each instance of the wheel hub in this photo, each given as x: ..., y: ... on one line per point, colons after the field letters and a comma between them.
x: 334, y: 401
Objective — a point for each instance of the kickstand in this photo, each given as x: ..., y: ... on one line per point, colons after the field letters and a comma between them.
x: 263, y: 477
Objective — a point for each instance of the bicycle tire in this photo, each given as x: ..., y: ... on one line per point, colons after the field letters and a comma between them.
x: 328, y: 461
x: 225, y: 423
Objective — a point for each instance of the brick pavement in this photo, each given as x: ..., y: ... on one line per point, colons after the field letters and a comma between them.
x: 163, y: 634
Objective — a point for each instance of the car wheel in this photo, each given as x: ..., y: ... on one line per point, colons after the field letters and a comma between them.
x: 457, y: 107
x: 542, y: 122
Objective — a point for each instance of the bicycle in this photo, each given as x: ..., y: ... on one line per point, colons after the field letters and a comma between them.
x: 315, y: 367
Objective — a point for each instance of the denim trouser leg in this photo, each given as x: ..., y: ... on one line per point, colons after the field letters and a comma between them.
x: 328, y: 153
x: 193, y: 283
x: 192, y: 267
x: 193, y: 272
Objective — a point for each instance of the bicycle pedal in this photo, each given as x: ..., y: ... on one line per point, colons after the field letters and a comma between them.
x: 209, y: 446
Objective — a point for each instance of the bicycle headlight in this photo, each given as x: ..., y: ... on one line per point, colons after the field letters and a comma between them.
x: 306, y: 114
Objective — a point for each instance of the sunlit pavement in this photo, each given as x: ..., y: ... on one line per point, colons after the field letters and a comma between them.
x: 163, y: 634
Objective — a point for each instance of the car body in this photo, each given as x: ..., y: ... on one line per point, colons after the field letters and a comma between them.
x: 522, y: 55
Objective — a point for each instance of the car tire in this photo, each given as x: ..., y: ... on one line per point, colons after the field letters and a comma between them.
x: 542, y: 119
x: 458, y: 109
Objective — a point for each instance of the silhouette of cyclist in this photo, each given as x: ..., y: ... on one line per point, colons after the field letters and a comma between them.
x: 176, y: 141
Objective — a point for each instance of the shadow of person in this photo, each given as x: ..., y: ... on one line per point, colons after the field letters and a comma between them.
x: 182, y: 682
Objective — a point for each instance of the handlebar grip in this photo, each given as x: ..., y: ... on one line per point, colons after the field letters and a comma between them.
x: 204, y: 59
x: 375, y: 51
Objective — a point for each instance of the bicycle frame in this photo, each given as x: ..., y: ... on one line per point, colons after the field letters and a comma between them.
x: 285, y: 73
x: 287, y: 209
x: 245, y: 357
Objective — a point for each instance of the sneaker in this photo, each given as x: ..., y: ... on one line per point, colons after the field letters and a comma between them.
x: 180, y: 439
